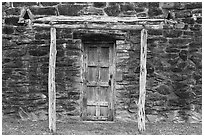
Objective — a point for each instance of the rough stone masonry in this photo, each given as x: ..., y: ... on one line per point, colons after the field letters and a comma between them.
x: 174, y: 60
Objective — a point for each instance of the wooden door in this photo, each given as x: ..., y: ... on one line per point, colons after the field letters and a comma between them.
x: 99, y: 81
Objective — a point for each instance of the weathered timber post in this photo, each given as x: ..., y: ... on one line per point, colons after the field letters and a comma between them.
x: 51, y: 82
x: 143, y: 71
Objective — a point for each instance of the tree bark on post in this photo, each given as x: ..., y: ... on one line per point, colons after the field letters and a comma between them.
x: 51, y: 82
x: 143, y: 72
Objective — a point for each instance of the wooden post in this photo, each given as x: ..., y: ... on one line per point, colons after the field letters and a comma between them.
x: 51, y: 82
x: 143, y: 71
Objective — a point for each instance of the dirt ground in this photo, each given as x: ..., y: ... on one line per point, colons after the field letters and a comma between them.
x: 12, y: 126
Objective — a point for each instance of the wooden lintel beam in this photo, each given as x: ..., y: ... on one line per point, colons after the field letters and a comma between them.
x: 105, y: 19
x: 51, y: 81
x: 101, y: 26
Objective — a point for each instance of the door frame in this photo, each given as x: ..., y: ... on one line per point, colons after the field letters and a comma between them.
x: 83, y: 103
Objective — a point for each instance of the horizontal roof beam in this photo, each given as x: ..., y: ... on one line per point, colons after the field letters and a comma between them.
x: 99, y: 19
x: 101, y: 26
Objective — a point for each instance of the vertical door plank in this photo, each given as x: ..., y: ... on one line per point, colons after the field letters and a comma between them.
x: 84, y: 95
x: 105, y: 89
x: 97, y: 81
x: 91, y: 78
x: 82, y: 78
x: 141, y: 102
x: 51, y: 82
x: 113, y: 71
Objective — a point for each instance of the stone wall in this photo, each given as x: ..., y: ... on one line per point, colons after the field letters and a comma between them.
x: 173, y: 63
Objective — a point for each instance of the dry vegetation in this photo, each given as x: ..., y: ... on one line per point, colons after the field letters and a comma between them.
x: 12, y: 126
